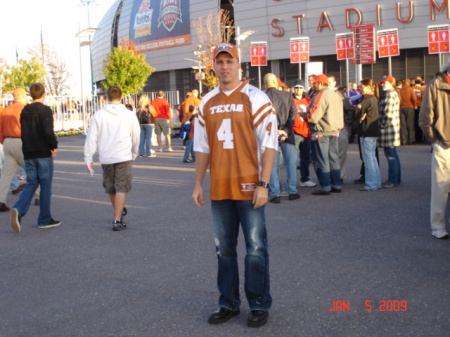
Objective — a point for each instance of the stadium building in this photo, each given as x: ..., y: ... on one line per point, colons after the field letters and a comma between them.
x: 163, y: 30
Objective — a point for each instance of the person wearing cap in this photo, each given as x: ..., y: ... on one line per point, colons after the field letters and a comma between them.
x: 325, y: 119
x: 191, y: 100
x: 389, y: 124
x: 235, y: 136
x: 12, y: 145
x: 434, y: 121
x: 407, y: 105
x: 302, y: 134
x: 283, y: 103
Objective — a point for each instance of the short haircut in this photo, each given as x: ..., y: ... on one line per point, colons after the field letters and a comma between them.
x: 37, y: 90
x: 160, y: 93
x: 114, y: 93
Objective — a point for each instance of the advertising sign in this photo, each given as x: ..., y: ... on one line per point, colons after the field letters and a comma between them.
x: 388, y: 44
x: 345, y: 47
x: 438, y: 39
x: 299, y: 49
x: 160, y: 24
x: 258, y: 52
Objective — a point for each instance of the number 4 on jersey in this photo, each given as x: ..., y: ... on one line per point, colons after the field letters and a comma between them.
x: 225, y: 135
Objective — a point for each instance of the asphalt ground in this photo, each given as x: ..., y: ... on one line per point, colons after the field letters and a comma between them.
x: 157, y: 277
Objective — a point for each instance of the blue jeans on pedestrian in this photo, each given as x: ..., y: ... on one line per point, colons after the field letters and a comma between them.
x: 325, y: 155
x: 289, y: 155
x: 189, y: 149
x: 372, y: 170
x: 145, y: 142
x: 39, y: 172
x: 303, y: 145
x: 227, y: 215
x: 395, y: 170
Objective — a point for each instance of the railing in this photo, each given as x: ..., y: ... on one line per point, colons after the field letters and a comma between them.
x: 70, y: 113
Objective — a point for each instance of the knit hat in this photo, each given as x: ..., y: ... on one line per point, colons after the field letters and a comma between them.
x: 321, y: 79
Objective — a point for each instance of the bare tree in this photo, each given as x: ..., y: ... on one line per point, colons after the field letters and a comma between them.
x: 211, y: 30
x: 57, y: 75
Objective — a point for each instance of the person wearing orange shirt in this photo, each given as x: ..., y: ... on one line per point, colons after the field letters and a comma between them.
x: 162, y: 119
x: 12, y: 144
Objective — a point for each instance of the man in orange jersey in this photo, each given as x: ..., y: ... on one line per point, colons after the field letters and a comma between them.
x: 236, y: 136
x: 12, y: 144
x: 162, y: 120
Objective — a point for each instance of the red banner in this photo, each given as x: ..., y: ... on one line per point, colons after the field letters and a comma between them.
x: 299, y: 49
x: 345, y: 47
x: 438, y: 39
x: 258, y: 53
x: 388, y: 44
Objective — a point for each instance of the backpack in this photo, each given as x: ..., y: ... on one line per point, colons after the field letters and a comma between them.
x: 184, y: 131
x: 143, y: 117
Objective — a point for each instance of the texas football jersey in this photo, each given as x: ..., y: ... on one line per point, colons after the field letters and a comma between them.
x: 235, y: 130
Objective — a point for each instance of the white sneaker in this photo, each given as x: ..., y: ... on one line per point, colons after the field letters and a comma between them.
x: 169, y: 149
x: 161, y: 150
x: 152, y: 155
x: 151, y: 151
x: 439, y: 233
x: 308, y: 183
x: 284, y: 194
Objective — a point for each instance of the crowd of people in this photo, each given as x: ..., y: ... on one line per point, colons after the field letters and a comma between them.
x: 243, y: 135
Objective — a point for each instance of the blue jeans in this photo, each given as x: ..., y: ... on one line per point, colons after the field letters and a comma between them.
x: 289, y: 155
x: 39, y: 172
x: 189, y: 149
x: 325, y: 154
x: 303, y: 145
x: 145, y: 143
x: 395, y: 170
x: 371, y: 168
x: 227, y: 215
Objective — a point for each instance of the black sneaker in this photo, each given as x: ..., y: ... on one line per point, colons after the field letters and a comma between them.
x: 52, y: 223
x: 15, y: 220
x: 119, y: 225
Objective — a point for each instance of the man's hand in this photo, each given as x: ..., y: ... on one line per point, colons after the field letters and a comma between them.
x: 53, y: 152
x: 260, y: 197
x: 197, y: 195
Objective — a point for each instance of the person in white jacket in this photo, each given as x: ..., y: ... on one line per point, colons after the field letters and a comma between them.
x: 115, y: 131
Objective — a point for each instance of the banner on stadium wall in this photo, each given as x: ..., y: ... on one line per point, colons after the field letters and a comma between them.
x: 160, y: 24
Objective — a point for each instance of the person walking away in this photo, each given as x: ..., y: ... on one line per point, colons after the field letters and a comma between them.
x: 115, y: 132
x: 189, y: 118
x: 236, y: 137
x: 407, y: 105
x: 39, y: 147
x: 144, y: 117
x: 162, y: 121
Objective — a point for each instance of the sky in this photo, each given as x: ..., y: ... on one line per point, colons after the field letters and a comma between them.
x: 61, y: 20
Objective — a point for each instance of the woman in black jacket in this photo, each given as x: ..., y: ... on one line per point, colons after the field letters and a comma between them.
x: 367, y: 115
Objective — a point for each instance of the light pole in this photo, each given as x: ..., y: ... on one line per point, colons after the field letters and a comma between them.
x: 83, y: 34
x: 241, y: 37
x: 200, y: 73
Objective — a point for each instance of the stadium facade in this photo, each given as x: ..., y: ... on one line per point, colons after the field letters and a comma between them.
x: 164, y: 32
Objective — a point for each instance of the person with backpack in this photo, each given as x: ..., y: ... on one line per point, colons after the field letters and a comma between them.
x: 144, y: 117
x: 187, y: 132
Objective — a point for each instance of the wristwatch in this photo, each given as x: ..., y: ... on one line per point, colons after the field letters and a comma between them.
x: 263, y: 184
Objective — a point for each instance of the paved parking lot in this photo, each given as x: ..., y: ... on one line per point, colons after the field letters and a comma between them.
x: 373, y: 251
